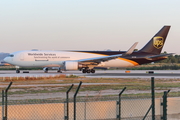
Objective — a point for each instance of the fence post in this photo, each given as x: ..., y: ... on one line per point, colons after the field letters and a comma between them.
x: 2, y: 104
x: 67, y: 102
x: 6, y: 100
x: 119, y: 103
x: 164, y: 104
x: 75, y: 99
x: 153, y: 98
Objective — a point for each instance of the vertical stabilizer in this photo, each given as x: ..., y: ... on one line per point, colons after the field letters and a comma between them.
x: 156, y: 44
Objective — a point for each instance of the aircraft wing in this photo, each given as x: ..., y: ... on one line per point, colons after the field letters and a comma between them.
x: 110, y: 57
x: 131, y: 49
x: 100, y: 59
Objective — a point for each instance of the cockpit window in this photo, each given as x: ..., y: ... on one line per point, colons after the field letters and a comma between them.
x: 11, y: 55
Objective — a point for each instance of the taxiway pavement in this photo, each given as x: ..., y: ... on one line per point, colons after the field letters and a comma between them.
x: 99, y: 73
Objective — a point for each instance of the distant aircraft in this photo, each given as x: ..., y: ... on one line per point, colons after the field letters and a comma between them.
x: 88, y: 60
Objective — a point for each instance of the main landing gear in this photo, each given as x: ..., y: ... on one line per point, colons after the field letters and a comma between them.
x: 87, y: 70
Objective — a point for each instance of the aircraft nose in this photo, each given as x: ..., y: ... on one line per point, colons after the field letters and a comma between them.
x: 6, y: 59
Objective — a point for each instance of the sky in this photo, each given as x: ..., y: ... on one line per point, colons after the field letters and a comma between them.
x: 86, y: 24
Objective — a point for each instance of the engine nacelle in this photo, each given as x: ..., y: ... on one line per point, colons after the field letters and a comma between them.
x: 71, y: 65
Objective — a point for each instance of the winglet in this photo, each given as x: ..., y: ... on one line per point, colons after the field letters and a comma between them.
x: 131, y: 49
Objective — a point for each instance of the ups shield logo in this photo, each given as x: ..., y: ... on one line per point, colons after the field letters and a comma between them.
x: 158, y: 42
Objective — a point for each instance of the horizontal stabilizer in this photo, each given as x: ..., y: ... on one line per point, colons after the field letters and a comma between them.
x: 159, y: 56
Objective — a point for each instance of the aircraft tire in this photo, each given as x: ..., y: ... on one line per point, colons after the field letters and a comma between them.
x: 46, y: 70
x: 88, y: 71
x: 93, y: 71
x: 17, y: 71
x: 59, y: 71
x: 84, y: 71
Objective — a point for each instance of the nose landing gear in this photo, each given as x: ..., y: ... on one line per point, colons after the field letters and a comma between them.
x: 45, y: 69
x: 17, y: 71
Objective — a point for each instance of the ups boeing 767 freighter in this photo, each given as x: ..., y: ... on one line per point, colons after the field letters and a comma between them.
x: 88, y: 60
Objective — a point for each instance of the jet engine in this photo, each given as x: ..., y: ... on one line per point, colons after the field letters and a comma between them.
x: 71, y: 65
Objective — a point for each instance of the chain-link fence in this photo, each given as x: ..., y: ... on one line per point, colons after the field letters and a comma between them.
x: 35, y: 110
x: 102, y: 108
x: 88, y: 108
